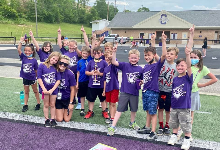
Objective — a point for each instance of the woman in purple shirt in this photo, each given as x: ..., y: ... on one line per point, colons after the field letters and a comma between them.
x: 66, y: 91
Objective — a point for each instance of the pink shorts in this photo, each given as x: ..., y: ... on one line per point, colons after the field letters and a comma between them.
x: 112, y: 96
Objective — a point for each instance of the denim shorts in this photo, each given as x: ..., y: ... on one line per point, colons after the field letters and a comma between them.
x: 150, y: 99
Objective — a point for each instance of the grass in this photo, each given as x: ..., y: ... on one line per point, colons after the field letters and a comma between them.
x: 44, y: 30
x: 205, y: 127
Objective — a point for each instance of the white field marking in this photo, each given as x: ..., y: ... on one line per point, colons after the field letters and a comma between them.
x: 17, y: 92
x: 203, y: 112
x: 7, y: 48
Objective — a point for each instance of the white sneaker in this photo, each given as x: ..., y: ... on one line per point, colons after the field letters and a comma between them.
x: 186, y: 144
x: 100, y: 105
x: 179, y: 134
x: 172, y: 140
x: 78, y: 106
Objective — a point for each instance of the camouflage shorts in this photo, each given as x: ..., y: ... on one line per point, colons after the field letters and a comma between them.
x: 181, y: 117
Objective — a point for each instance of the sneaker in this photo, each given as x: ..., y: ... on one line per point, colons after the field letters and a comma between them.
x: 47, y: 123
x: 173, y: 139
x: 152, y: 136
x: 107, y: 110
x: 110, y: 124
x: 144, y: 130
x: 53, y: 123
x: 105, y: 114
x: 100, y: 105
x: 179, y: 134
x: 89, y: 114
x: 78, y: 106
x: 111, y: 131
x: 134, y: 125
x: 166, y: 131
x: 107, y: 121
x: 82, y: 113
x: 186, y: 144
x: 160, y: 131
x: 25, y: 108
x: 37, y: 107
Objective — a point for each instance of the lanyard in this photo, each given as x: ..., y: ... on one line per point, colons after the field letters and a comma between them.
x: 195, y: 76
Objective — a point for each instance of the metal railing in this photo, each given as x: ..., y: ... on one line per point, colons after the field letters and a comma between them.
x: 11, y: 37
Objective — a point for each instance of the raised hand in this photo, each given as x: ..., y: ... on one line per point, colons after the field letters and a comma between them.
x: 153, y: 37
x: 59, y: 31
x: 102, y: 38
x: 164, y: 37
x: 82, y: 29
x: 191, y: 30
x: 21, y: 39
x: 115, y: 47
x: 94, y: 36
x: 31, y: 33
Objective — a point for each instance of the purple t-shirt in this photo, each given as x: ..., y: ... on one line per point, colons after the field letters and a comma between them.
x: 63, y: 50
x: 49, y: 77
x: 67, y: 80
x: 130, y: 75
x: 181, y: 94
x: 73, y: 61
x: 151, y: 73
x: 43, y: 55
x: 28, y: 68
x: 91, y: 67
x: 111, y: 77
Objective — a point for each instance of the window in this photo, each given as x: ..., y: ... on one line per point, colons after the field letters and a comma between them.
x: 173, y: 36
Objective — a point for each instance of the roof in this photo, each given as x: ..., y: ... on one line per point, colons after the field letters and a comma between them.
x: 196, y: 17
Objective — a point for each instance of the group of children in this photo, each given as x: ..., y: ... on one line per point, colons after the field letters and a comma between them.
x: 90, y: 73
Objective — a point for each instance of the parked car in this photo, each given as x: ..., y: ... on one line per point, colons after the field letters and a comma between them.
x: 115, y: 37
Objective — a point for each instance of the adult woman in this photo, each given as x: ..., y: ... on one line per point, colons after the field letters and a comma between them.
x: 66, y: 91
x: 204, y: 47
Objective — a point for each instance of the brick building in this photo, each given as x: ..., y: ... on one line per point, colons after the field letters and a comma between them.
x: 176, y: 25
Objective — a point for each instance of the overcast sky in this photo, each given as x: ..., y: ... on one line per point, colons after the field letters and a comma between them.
x: 169, y: 5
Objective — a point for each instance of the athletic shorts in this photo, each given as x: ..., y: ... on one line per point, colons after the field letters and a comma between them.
x: 112, y: 96
x: 83, y: 88
x: 28, y: 82
x: 92, y: 94
x: 126, y: 99
x: 150, y: 99
x: 181, y: 117
x: 63, y: 104
x: 164, y: 100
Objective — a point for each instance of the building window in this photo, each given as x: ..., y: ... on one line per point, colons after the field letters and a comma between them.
x: 173, y: 36
x: 200, y: 32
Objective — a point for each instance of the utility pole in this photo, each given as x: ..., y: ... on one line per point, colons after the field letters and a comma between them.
x: 35, y: 1
x: 108, y: 10
x: 115, y: 7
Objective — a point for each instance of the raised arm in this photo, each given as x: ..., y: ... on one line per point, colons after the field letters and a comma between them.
x: 20, y: 45
x: 188, y: 61
x: 152, y: 40
x: 59, y: 38
x: 191, y: 35
x: 85, y: 36
x: 164, y: 50
x: 93, y: 43
x: 114, y: 61
x: 33, y: 39
x: 101, y: 40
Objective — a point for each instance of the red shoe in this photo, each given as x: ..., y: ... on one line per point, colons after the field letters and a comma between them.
x: 89, y: 114
x: 105, y: 114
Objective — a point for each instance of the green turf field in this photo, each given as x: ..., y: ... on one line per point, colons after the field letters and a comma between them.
x: 206, y: 123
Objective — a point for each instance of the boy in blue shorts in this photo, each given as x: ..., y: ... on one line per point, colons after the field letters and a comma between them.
x: 151, y: 73
x: 131, y: 74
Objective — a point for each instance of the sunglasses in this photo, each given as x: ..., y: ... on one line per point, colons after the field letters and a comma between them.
x: 96, y: 53
x: 62, y: 63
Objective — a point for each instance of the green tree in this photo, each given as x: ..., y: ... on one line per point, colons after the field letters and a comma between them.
x: 127, y: 10
x: 101, y: 7
x: 143, y: 9
x: 112, y: 11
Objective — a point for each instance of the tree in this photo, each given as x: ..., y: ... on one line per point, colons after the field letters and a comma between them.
x: 101, y: 7
x: 143, y: 9
x: 127, y: 10
x: 112, y: 10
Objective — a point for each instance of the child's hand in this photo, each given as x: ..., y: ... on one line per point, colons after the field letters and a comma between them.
x: 50, y: 92
x: 141, y: 82
x: 21, y: 39
x: 115, y: 47
x: 200, y: 85
x: 187, y: 51
x: 31, y: 33
x: 82, y: 29
x: 96, y: 72
x: 102, y: 38
x: 70, y: 107
x: 163, y: 37
x: 94, y: 36
x: 153, y: 37
x: 59, y: 31
x: 77, y: 86
x: 103, y: 93
x: 45, y: 92
x: 191, y: 30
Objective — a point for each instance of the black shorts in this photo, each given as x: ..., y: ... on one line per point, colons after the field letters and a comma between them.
x: 63, y: 104
x: 166, y: 102
x: 92, y: 94
x: 76, y: 77
x: 83, y: 88
x: 28, y: 82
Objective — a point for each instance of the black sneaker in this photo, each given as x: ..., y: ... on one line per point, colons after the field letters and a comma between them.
x: 25, y: 108
x: 82, y: 113
x: 53, y: 123
x: 166, y: 131
x: 160, y: 131
x: 152, y: 136
x: 37, y: 107
x: 47, y: 123
x: 144, y: 130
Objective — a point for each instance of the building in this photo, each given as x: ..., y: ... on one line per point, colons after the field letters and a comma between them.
x: 100, y: 27
x: 176, y: 25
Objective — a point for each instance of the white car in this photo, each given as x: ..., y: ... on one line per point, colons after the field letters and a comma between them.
x: 115, y: 37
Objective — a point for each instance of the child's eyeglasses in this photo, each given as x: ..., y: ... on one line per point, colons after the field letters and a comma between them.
x: 63, y: 63
x: 96, y: 53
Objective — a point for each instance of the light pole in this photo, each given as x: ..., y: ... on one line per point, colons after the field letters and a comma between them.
x: 115, y: 7
x: 35, y: 1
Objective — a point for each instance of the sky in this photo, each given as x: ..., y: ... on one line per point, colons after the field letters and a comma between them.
x: 169, y: 5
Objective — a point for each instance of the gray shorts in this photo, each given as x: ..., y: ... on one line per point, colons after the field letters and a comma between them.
x: 195, y: 101
x: 126, y: 99
x: 181, y: 117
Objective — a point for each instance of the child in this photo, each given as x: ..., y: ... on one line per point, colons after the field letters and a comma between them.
x: 111, y: 85
x: 180, y: 113
x: 67, y: 88
x: 151, y: 73
x: 46, y: 50
x: 131, y: 73
x: 28, y: 73
x: 49, y: 79
x: 82, y: 78
x: 95, y: 71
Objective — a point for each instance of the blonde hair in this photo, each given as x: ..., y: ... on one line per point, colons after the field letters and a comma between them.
x: 108, y: 44
x: 134, y: 51
x: 47, y: 62
x: 65, y: 57
x: 73, y: 41
x: 173, y: 49
x: 64, y: 41
x: 107, y: 53
x: 85, y: 49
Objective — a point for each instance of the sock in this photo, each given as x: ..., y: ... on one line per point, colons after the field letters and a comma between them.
x: 167, y: 126
x: 112, y: 118
x: 187, y: 137
x: 132, y: 122
x: 161, y: 124
x: 79, y: 101
x: 175, y: 133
